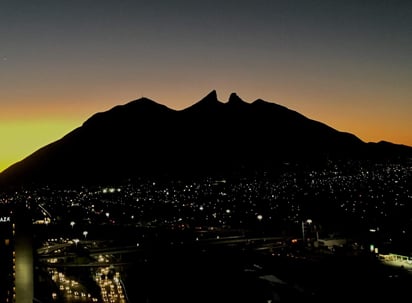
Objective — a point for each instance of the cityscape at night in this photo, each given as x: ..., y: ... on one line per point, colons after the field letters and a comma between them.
x: 229, y: 214
x: 132, y: 242
x: 214, y: 151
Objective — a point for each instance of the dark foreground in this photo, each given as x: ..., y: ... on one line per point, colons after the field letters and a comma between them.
x: 237, y: 275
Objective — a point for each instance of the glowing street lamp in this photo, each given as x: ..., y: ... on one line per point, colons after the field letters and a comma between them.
x: 72, y: 223
x: 76, y: 241
x: 85, y: 234
x: 309, y: 222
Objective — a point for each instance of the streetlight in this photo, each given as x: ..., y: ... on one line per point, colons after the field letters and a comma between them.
x: 72, y: 223
x: 308, y: 221
x: 76, y: 241
x: 85, y: 234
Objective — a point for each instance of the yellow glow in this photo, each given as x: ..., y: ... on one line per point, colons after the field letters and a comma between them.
x: 364, y: 114
x: 21, y: 138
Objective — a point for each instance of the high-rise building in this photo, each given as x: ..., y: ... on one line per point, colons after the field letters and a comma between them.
x: 16, y: 255
x: 23, y: 244
x: 7, y: 256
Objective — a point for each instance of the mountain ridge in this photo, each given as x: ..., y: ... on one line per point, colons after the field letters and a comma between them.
x: 145, y: 138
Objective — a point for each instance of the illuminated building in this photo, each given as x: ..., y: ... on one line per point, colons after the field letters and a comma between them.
x: 16, y: 256
x: 7, y: 256
x: 24, y: 256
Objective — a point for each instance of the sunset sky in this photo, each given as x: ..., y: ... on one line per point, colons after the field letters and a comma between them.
x: 345, y: 63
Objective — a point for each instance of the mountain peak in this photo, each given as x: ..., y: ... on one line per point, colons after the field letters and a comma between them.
x: 210, y: 97
x: 143, y: 101
x: 208, y: 102
x: 121, y: 113
x: 235, y: 99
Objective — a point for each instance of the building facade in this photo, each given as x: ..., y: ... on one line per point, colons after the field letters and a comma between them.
x: 7, y: 256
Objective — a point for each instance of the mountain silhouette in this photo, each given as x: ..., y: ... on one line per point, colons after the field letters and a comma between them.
x: 144, y: 138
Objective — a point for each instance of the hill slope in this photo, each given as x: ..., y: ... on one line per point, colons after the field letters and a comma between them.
x: 144, y: 138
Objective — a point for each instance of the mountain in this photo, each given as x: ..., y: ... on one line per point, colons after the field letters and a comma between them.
x: 144, y: 138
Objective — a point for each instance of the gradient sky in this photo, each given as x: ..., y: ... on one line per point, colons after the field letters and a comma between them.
x: 345, y: 63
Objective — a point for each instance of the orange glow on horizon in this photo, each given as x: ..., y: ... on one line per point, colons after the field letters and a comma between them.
x: 23, y: 131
